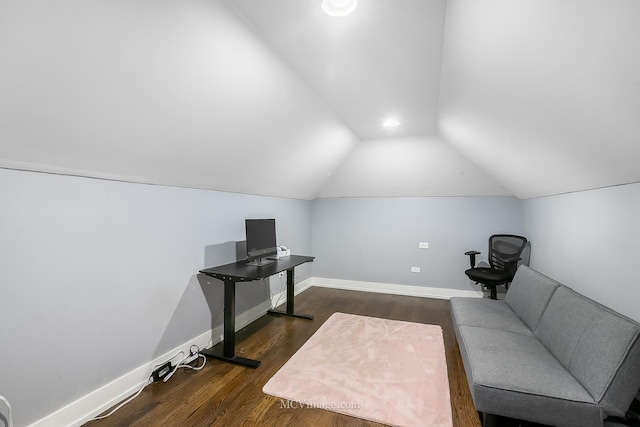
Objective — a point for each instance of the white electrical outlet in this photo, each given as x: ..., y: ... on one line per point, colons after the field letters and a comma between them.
x: 423, y: 245
x: 415, y: 269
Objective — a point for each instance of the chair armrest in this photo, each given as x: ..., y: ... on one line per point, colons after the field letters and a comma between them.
x: 472, y: 257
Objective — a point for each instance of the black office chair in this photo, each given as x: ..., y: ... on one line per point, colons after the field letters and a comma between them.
x: 505, y: 251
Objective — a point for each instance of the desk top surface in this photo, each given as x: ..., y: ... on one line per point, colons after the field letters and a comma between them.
x: 242, y: 272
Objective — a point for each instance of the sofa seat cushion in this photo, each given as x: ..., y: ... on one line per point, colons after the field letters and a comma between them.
x: 514, y: 375
x: 487, y: 313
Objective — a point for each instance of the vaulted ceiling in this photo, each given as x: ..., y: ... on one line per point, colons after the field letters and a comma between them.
x: 494, y: 97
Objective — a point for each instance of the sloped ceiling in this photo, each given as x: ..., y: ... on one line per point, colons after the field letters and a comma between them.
x: 544, y: 94
x: 168, y: 92
x: 411, y: 167
x: 381, y: 61
x: 495, y: 97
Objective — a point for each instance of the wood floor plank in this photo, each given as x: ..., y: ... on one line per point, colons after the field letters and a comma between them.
x: 229, y: 395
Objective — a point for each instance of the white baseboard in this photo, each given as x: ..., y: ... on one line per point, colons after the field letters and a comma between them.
x: 82, y: 410
x: 390, y: 288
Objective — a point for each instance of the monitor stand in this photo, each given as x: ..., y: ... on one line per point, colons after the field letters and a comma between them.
x: 259, y: 262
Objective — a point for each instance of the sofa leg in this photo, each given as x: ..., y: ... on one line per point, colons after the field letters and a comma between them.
x: 489, y: 420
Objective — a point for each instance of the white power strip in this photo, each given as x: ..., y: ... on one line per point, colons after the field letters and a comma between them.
x: 190, y: 358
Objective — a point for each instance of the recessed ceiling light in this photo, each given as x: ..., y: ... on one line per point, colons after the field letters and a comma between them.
x: 390, y: 123
x: 339, y: 7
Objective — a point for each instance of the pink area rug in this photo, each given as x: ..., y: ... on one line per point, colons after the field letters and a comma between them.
x: 381, y: 370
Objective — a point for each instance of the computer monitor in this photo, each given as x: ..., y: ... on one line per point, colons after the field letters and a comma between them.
x: 261, y: 241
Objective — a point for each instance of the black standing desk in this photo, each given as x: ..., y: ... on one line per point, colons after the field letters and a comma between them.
x: 240, y: 271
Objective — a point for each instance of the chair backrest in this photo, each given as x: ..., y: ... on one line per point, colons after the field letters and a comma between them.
x: 598, y: 346
x: 505, y: 246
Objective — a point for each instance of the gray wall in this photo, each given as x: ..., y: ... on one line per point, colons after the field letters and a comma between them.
x: 376, y: 239
x: 99, y: 277
x: 590, y: 241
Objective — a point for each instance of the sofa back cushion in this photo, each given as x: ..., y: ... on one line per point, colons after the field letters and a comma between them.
x: 529, y: 295
x: 598, y: 346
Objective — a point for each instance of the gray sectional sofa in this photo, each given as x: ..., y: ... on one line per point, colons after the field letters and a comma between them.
x: 547, y: 354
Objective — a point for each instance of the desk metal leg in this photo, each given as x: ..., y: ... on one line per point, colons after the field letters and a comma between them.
x: 229, y: 344
x: 290, y: 300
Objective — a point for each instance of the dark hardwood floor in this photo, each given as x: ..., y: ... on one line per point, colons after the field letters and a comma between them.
x: 230, y: 395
